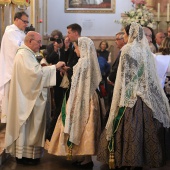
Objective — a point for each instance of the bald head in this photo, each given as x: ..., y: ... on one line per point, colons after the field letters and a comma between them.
x: 33, y: 41
x: 31, y: 35
x: 160, y: 36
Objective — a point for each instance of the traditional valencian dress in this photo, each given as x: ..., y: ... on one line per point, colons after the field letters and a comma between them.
x: 77, y: 131
x: 134, y: 133
x: 26, y: 123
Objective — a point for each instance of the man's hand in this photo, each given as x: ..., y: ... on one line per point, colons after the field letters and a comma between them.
x: 63, y: 70
x: 60, y: 65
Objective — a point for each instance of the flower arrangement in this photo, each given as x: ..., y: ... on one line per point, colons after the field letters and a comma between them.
x: 140, y: 14
x: 138, y: 2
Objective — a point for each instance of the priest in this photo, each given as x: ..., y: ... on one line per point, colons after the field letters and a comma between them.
x: 25, y: 129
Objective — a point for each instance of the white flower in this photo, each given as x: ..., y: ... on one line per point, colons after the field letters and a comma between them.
x: 144, y: 7
x: 150, y: 25
x: 121, y: 19
x: 132, y: 13
x: 139, y: 10
x: 139, y: 14
x: 133, y: 19
x: 142, y: 22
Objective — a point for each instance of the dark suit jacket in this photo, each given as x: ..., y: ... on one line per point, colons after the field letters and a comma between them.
x: 72, y: 60
x: 112, y: 75
x: 53, y: 58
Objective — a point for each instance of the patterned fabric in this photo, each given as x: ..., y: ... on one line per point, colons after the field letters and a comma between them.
x: 138, y: 138
x: 85, y: 80
x: 90, y: 137
x: 137, y: 76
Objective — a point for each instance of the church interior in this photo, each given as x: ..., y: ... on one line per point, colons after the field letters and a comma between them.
x: 99, y: 22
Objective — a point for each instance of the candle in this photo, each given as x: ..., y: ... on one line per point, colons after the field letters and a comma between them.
x: 158, y: 12
x: 168, y: 12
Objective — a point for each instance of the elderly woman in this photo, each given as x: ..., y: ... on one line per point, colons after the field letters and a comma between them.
x: 134, y: 132
x: 78, y: 127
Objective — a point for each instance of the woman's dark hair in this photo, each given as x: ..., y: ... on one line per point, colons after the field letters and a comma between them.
x: 127, y: 28
x: 57, y: 32
x: 165, y: 46
x: 107, y: 45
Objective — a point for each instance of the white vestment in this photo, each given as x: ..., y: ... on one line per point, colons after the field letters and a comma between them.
x: 11, y: 40
x: 25, y: 129
x: 163, y: 67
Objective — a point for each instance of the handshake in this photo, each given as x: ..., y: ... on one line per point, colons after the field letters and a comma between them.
x: 61, y: 66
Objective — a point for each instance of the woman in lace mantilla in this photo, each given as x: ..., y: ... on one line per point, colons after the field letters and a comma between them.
x: 77, y: 131
x: 134, y: 131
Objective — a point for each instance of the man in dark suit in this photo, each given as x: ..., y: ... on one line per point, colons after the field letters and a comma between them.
x: 73, y: 33
x: 120, y: 43
x: 55, y: 53
x: 112, y: 76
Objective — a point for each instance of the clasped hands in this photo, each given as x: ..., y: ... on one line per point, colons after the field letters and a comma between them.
x: 61, y: 66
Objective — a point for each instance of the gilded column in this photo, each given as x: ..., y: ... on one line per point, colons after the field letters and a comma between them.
x: 2, y: 20
x: 150, y: 3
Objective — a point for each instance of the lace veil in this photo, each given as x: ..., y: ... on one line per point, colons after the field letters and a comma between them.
x: 136, y: 76
x: 85, y: 80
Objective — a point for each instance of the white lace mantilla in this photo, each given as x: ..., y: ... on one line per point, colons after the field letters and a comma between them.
x: 85, y: 80
x: 137, y: 76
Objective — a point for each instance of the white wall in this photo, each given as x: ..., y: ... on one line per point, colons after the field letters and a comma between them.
x: 102, y: 24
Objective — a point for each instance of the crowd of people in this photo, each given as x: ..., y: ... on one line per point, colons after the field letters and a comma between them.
x: 57, y: 103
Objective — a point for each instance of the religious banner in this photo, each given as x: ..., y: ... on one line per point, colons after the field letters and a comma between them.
x: 21, y: 2
x: 5, y: 2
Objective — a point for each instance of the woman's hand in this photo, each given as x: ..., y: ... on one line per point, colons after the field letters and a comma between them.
x: 61, y: 66
x: 64, y: 69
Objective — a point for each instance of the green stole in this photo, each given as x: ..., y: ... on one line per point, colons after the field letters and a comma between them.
x: 116, y: 123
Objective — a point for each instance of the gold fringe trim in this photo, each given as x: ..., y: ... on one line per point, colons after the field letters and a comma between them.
x: 111, y: 150
x: 111, y: 161
x: 69, y: 156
